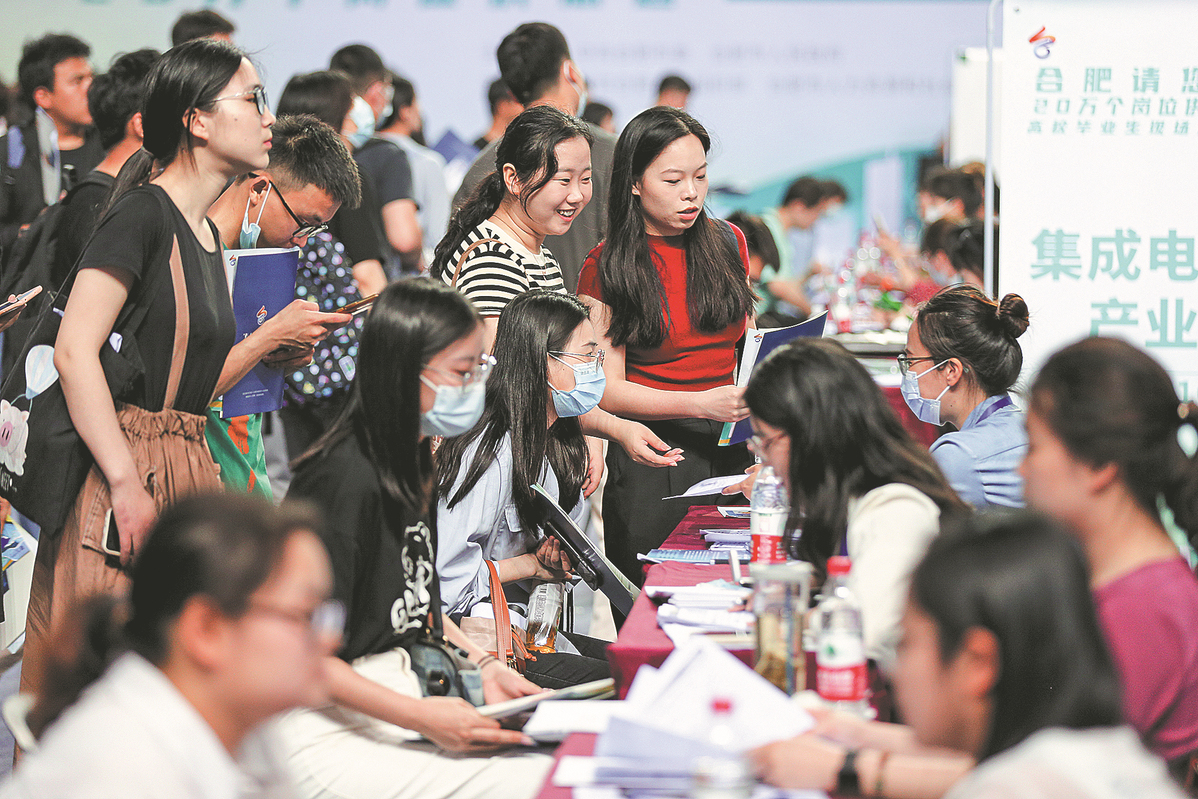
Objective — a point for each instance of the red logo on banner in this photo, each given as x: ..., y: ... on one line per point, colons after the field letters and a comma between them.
x: 1043, y: 42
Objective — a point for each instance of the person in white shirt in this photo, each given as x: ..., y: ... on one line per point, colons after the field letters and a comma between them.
x: 228, y: 623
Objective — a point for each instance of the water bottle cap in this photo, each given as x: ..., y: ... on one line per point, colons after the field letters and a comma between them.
x: 721, y: 705
x: 839, y: 565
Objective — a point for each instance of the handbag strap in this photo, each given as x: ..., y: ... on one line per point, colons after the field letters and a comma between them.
x: 458, y: 269
x: 510, y: 650
x: 182, y: 326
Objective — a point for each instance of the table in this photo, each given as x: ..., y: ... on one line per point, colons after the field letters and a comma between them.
x: 640, y: 640
x: 579, y: 743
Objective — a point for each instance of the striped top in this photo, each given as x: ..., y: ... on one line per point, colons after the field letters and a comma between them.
x: 496, y: 272
x: 688, y: 359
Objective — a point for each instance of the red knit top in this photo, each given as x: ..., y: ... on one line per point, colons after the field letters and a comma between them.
x: 687, y: 359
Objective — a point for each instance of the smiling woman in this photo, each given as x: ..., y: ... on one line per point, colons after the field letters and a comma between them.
x: 495, y: 248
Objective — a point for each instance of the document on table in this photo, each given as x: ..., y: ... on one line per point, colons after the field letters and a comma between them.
x: 734, y: 511
x: 712, y: 485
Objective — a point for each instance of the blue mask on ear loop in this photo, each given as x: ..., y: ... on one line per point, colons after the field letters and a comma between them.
x: 250, y: 231
x: 584, y: 397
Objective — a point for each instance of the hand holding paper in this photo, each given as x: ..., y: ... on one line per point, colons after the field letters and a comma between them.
x: 712, y: 485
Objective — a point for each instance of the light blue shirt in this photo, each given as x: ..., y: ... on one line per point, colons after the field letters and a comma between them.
x: 980, y: 459
x: 485, y: 526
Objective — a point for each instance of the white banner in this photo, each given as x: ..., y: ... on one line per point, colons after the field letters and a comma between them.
x: 1100, y: 164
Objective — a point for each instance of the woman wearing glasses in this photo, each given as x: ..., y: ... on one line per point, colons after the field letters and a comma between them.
x: 961, y: 359
x: 670, y: 292
x: 155, y: 254
x: 548, y: 372
x: 421, y: 373
x: 859, y: 484
x: 227, y: 623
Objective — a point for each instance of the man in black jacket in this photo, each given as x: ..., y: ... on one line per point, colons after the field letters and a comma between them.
x: 39, y: 159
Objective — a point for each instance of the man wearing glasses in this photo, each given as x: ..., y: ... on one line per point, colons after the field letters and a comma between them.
x: 309, y: 177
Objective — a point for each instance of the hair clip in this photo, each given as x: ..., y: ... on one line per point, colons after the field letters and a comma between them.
x: 1187, y: 432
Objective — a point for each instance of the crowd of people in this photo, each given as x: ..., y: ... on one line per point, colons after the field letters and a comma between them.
x: 577, y: 292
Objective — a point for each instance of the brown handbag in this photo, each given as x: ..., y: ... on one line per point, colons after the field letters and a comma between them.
x: 458, y: 269
x: 497, y: 636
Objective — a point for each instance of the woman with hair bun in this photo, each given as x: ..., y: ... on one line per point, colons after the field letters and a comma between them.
x: 1111, y: 455
x: 960, y: 362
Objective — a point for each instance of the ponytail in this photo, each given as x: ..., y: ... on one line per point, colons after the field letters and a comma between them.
x: 138, y: 169
x: 79, y: 654
x: 1181, y: 495
x: 482, y: 203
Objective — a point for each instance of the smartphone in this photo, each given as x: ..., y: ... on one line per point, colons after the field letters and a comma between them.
x: 20, y: 301
x: 359, y: 306
x: 110, y: 537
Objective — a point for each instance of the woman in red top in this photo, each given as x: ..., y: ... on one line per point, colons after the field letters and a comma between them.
x: 670, y: 296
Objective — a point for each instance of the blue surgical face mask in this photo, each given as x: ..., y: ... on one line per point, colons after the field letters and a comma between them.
x: 362, y: 115
x: 587, y: 391
x: 926, y: 410
x: 455, y: 410
x: 250, y: 231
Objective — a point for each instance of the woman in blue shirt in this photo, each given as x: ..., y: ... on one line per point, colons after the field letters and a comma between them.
x: 959, y: 364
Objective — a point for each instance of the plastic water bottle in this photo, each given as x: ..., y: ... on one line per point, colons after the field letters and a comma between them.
x: 841, y: 674
x: 722, y: 772
x: 768, y: 509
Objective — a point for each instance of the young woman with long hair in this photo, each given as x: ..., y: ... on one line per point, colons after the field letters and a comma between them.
x: 670, y: 292
x: 494, y: 247
x: 205, y: 121
x: 421, y: 373
x: 548, y: 372
x: 1106, y: 458
x: 227, y: 624
x: 1003, y: 662
x: 961, y: 360
x: 859, y: 484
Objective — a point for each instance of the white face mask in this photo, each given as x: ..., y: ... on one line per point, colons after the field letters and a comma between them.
x: 936, y: 214
x: 579, y: 89
x: 362, y: 115
x: 926, y: 410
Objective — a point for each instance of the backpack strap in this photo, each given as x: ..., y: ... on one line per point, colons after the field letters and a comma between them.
x: 458, y: 269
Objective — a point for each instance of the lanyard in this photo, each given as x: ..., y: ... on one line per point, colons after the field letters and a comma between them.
x: 986, y: 414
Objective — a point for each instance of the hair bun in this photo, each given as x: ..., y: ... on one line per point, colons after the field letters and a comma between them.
x: 1013, y: 315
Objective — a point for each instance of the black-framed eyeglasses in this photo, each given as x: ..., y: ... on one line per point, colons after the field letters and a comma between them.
x: 304, y: 229
x: 259, y: 94
x: 905, y: 361
x: 759, y: 444
x: 593, y: 362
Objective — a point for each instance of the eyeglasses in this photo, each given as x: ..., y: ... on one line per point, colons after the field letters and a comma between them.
x: 905, y: 361
x: 477, y: 374
x: 305, y: 229
x: 593, y: 365
x: 758, y: 445
x: 259, y: 94
x: 326, y: 619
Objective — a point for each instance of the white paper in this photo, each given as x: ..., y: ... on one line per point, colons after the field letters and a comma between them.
x: 712, y: 485
x: 706, y: 618
x: 558, y: 718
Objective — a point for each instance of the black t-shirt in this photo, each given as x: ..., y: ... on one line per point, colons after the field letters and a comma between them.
x: 81, y: 160
x: 382, y: 555
x: 360, y: 229
x: 136, y: 236
x: 385, y: 165
x: 80, y: 212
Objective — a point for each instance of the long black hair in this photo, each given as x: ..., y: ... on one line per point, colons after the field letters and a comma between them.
x: 717, y: 288
x: 532, y: 325
x: 1109, y: 402
x: 1024, y: 579
x: 845, y: 441
x: 529, y: 145
x: 222, y: 547
x: 186, y: 79
x: 962, y: 322
x: 411, y: 321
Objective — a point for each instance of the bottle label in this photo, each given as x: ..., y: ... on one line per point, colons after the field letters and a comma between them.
x: 841, y: 674
x: 765, y: 529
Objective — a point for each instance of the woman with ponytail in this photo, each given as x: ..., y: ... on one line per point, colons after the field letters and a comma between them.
x: 494, y: 247
x: 227, y: 624
x: 1111, y: 454
x: 155, y: 256
x: 960, y: 362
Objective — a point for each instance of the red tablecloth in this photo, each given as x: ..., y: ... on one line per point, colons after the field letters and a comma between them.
x: 580, y: 743
x: 640, y: 640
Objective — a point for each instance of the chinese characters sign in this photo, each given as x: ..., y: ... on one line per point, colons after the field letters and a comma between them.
x: 1100, y: 156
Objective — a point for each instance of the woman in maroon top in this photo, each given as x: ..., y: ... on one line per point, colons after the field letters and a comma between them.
x: 670, y: 296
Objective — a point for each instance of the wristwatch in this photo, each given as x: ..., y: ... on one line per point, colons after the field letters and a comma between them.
x: 848, y: 782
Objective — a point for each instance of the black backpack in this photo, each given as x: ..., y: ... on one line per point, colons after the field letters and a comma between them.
x: 31, y: 263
